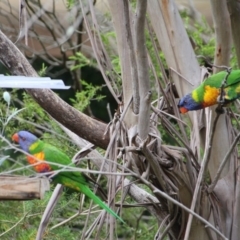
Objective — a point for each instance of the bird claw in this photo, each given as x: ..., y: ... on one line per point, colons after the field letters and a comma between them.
x: 220, y: 109
x: 221, y: 100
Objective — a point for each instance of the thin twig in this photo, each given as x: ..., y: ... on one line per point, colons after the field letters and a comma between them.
x: 173, y: 130
x: 215, y: 180
x: 163, y: 223
x: 173, y: 70
x: 48, y: 210
x: 74, y: 216
x: 213, y: 65
x: 14, y: 225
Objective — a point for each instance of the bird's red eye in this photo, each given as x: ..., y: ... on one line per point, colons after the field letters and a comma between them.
x: 23, y: 138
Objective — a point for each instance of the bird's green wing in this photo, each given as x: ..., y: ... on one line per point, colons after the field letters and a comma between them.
x: 59, y: 161
x: 55, y: 156
x: 232, y: 87
x: 232, y: 90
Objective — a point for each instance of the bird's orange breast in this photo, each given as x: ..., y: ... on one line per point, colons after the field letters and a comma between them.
x: 38, y: 160
x: 210, y: 96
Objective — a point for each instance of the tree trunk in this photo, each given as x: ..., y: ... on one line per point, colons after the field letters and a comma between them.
x: 234, y: 9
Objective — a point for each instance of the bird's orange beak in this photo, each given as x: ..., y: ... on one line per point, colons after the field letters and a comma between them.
x: 15, y: 138
x: 183, y: 110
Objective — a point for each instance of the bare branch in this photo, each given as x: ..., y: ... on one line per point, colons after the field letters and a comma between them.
x: 143, y: 74
x: 134, y: 72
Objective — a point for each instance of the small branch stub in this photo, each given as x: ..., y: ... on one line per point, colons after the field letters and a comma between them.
x: 22, y: 188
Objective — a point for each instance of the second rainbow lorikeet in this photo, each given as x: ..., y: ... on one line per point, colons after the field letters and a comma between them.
x: 42, y: 152
x: 208, y: 93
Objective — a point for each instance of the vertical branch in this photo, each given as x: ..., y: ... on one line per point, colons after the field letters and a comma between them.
x: 222, y: 28
x: 234, y: 9
x: 134, y: 73
x: 117, y: 12
x: 143, y: 76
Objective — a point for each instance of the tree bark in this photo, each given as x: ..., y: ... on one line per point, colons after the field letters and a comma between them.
x: 234, y: 9
x: 124, y: 51
x: 222, y: 28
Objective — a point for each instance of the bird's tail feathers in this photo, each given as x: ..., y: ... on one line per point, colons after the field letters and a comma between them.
x: 87, y: 191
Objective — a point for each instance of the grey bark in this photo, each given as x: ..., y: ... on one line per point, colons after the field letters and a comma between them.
x: 234, y: 10
x: 222, y: 28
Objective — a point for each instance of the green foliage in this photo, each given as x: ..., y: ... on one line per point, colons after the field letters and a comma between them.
x: 202, y: 38
x: 109, y: 41
x: 70, y: 4
x: 82, y: 99
x: 116, y: 65
x: 80, y: 61
x: 25, y: 217
x: 43, y: 70
x: 233, y: 60
x: 20, y: 220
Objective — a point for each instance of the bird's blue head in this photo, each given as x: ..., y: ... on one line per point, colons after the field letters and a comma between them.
x: 25, y: 139
x: 187, y: 103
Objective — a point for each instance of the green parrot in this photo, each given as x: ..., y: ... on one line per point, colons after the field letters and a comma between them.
x: 208, y: 93
x: 42, y: 151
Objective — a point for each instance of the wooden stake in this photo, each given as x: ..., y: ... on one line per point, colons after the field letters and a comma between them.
x: 22, y: 187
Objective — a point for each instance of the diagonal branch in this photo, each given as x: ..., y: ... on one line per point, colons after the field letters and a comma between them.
x: 84, y: 126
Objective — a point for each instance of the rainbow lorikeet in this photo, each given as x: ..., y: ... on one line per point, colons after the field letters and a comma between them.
x: 208, y: 93
x: 42, y: 151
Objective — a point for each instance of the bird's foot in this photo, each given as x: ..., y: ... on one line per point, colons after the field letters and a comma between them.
x: 221, y: 100
x: 220, y: 109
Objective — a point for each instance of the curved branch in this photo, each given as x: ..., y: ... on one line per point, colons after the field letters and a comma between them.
x: 79, y: 123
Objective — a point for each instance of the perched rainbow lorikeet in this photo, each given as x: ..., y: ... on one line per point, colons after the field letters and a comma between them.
x: 42, y: 151
x: 208, y: 93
